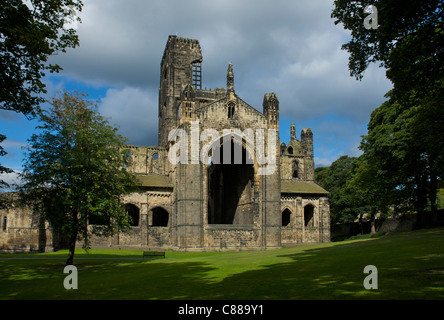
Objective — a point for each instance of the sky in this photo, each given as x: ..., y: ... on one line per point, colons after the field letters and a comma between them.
x: 291, y: 48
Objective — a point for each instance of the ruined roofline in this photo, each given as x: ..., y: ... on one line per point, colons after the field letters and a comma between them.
x: 183, y: 40
x: 177, y: 39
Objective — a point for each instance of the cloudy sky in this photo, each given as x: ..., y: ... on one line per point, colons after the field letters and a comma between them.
x: 288, y: 47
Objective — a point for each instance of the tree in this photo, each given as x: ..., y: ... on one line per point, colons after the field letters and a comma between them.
x: 3, y: 184
x: 404, y: 150
x: 409, y: 41
x: 74, y: 171
x: 30, y: 32
x: 334, y: 179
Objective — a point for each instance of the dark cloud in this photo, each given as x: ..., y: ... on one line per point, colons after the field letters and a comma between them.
x: 291, y: 48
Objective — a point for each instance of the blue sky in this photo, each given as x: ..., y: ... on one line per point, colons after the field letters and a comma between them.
x: 291, y: 48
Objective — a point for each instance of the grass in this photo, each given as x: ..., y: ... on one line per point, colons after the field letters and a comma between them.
x: 410, y: 266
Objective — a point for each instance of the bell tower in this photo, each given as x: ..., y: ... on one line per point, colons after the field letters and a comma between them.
x: 180, y: 66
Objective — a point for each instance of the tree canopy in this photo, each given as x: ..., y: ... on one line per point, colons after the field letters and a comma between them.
x: 402, y: 161
x: 408, y: 42
x: 30, y: 32
x: 74, y: 171
x: 334, y: 179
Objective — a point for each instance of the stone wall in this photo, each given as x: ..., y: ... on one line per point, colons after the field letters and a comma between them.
x: 21, y: 231
x: 299, y: 230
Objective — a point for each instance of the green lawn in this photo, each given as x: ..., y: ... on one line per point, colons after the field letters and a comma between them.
x: 410, y: 266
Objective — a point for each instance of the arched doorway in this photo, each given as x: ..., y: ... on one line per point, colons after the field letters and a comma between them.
x: 230, y: 184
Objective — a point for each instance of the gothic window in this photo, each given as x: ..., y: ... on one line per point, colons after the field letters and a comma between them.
x: 308, y: 215
x: 295, y: 170
x: 290, y: 150
x: 160, y: 217
x: 134, y: 213
x: 5, y: 220
x: 286, y: 214
x: 230, y: 110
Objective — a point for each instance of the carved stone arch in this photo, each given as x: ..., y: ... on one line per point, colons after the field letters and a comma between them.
x: 295, y: 172
x: 286, y: 216
x: 133, y: 212
x: 231, y: 106
x: 231, y: 181
x: 160, y: 217
x: 309, y: 210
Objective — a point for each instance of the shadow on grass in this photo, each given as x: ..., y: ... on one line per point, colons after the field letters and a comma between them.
x: 409, y: 267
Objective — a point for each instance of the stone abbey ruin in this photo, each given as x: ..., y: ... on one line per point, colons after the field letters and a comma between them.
x: 206, y: 205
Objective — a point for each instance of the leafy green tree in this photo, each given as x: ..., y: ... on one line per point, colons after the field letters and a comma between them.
x: 30, y: 32
x: 3, y: 184
x: 408, y: 42
x: 404, y: 150
x: 74, y: 171
x: 334, y: 179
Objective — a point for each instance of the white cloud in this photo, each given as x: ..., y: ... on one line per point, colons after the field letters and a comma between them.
x: 12, y: 179
x: 292, y: 48
x: 134, y: 111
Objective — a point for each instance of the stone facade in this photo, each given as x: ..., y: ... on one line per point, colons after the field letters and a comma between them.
x: 199, y: 196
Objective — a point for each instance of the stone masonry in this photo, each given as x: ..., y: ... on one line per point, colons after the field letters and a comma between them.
x: 217, y: 205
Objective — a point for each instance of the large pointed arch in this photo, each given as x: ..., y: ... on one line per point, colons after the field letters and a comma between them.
x: 231, y: 182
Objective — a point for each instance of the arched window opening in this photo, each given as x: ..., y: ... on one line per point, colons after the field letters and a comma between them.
x: 133, y: 213
x: 230, y: 110
x: 160, y: 217
x: 286, y: 217
x: 290, y: 150
x: 295, y: 168
x: 5, y: 221
x: 308, y: 215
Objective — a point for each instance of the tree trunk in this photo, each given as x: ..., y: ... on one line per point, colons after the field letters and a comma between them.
x: 361, y: 229
x: 433, y: 203
x: 72, y: 241
x: 372, y: 223
x: 420, y: 202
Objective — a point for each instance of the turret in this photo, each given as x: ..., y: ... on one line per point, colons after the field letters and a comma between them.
x: 307, y: 148
x: 230, y: 78
x: 292, y: 132
x: 271, y: 110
